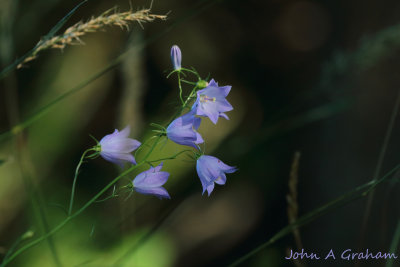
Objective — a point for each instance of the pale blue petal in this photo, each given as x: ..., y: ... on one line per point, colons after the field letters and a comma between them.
x: 125, y: 132
x: 158, y: 168
x: 199, y: 139
x: 112, y: 160
x: 210, y: 188
x: 113, y: 157
x: 225, y: 90
x: 151, y: 179
x: 120, y: 145
x: 160, y: 192
x: 224, y: 116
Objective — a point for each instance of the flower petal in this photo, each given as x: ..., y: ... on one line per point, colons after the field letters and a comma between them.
x: 211, y: 164
x: 118, y: 157
x: 160, y: 192
x: 158, y: 168
x: 204, y: 176
x: 151, y: 179
x: 120, y: 145
x: 225, y: 90
x: 210, y: 188
x: 112, y: 160
x: 199, y: 139
x: 213, y: 83
x: 224, y: 116
x: 125, y: 132
x: 224, y: 106
x: 196, y: 123
x: 210, y: 110
x: 226, y: 168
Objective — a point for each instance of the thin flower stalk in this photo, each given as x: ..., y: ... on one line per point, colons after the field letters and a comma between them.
x: 81, y: 161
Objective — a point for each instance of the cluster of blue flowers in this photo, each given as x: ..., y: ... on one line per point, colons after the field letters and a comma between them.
x: 210, y: 102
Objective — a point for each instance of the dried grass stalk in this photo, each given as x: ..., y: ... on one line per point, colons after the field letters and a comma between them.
x: 293, y: 207
x: 291, y: 197
x: 111, y: 17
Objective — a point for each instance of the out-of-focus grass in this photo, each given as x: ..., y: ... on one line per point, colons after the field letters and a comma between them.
x: 79, y: 249
x: 52, y: 136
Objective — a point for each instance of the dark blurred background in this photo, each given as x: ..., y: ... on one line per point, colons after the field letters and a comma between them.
x: 317, y: 77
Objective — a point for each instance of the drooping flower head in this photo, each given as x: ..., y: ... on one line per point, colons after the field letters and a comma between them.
x: 211, y: 101
x: 176, y: 57
x: 117, y: 147
x: 150, y: 182
x: 212, y: 170
x: 183, y: 130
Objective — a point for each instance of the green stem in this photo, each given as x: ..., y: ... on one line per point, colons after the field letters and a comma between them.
x: 191, y: 71
x: 71, y: 202
x: 191, y: 83
x: 169, y: 158
x: 189, y: 98
x: 156, y: 125
x: 172, y: 72
x: 180, y: 87
x: 143, y: 145
x: 356, y: 193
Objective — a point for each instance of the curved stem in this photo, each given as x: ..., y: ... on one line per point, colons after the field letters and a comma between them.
x: 191, y: 83
x: 169, y: 158
x: 157, y: 126
x: 180, y: 87
x: 191, y: 71
x: 71, y: 201
x: 189, y: 97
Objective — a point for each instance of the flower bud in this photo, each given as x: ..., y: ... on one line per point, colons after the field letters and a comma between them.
x: 202, y: 84
x: 176, y: 57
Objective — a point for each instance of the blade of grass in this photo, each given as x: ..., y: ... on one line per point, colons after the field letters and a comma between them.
x: 394, y: 245
x: 378, y: 168
x: 62, y: 22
